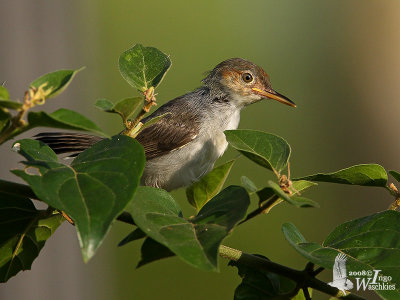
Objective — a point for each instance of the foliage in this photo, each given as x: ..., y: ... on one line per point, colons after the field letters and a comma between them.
x: 112, y: 168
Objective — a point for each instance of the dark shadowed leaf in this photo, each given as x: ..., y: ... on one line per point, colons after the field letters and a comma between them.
x: 370, y: 243
x: 4, y: 95
x: 137, y: 234
x: 395, y: 174
x: 23, y: 233
x: 258, y: 284
x: 10, y: 104
x: 5, y: 119
x: 63, y: 118
x: 16, y: 189
x: 56, y: 81
x: 195, y: 242
x: 200, y: 192
x: 143, y: 67
x: 125, y: 107
x: 93, y: 190
x: 265, y: 149
x: 152, y: 251
x: 367, y: 175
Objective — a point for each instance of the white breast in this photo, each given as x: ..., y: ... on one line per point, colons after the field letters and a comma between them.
x: 188, y: 164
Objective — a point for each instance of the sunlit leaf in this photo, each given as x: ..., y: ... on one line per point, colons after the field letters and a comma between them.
x: 93, y: 190
x: 248, y: 184
x: 367, y: 175
x: 56, y: 81
x: 4, y: 95
x: 265, y: 149
x: 10, y: 104
x: 63, y: 118
x: 143, y: 67
x: 125, y: 107
x: 200, y: 192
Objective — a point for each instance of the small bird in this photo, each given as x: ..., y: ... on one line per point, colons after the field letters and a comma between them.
x: 183, y: 146
x: 340, y: 280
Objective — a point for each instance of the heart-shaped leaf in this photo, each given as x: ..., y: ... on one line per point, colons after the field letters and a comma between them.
x: 265, y: 149
x: 200, y: 192
x: 93, y: 190
x: 196, y: 241
x: 62, y: 118
x: 125, y: 107
x: 23, y: 233
x: 143, y: 67
x: 366, y: 174
x: 56, y: 81
x: 370, y: 243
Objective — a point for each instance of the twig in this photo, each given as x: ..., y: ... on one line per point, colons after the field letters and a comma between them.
x: 303, y: 277
x: 395, y: 192
x: 263, y: 208
x: 150, y: 101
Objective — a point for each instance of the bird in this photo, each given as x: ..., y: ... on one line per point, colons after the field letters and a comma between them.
x: 340, y: 280
x: 183, y: 145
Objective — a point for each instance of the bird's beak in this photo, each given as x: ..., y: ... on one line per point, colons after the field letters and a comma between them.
x: 271, y: 94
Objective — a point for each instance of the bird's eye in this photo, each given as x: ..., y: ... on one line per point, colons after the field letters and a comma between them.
x: 247, y: 77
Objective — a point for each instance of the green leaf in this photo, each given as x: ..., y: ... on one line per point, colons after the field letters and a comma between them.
x: 265, y: 149
x: 23, y: 233
x: 200, y: 192
x: 143, y: 67
x: 56, y: 81
x: 258, y: 284
x: 195, y: 242
x: 125, y: 107
x: 152, y: 251
x: 5, y: 119
x: 395, y: 174
x: 294, y: 200
x: 366, y: 175
x: 10, y: 104
x: 370, y: 243
x: 63, y: 118
x: 4, y: 95
x: 248, y: 184
x: 93, y: 190
x: 16, y: 189
x: 137, y: 234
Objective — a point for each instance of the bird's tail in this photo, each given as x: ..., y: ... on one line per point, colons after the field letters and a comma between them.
x: 65, y: 142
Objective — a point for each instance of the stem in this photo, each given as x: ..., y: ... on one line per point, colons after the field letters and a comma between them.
x: 303, y: 278
x: 150, y: 101
x: 263, y: 208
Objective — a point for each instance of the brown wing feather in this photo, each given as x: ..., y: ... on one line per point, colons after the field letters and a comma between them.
x: 168, y: 134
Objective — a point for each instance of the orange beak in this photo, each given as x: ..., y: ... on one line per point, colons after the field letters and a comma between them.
x: 271, y: 94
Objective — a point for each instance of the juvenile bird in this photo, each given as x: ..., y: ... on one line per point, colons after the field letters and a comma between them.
x: 183, y: 146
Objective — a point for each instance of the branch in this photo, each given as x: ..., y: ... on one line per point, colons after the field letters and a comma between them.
x: 303, y: 278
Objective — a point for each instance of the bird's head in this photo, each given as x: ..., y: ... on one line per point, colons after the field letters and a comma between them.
x: 243, y: 81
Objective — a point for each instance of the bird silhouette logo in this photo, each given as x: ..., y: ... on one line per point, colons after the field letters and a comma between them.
x: 340, y: 280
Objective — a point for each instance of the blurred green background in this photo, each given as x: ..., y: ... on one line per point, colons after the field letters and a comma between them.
x: 338, y: 60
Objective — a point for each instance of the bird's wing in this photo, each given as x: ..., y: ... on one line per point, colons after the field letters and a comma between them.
x: 339, y: 268
x: 168, y: 134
